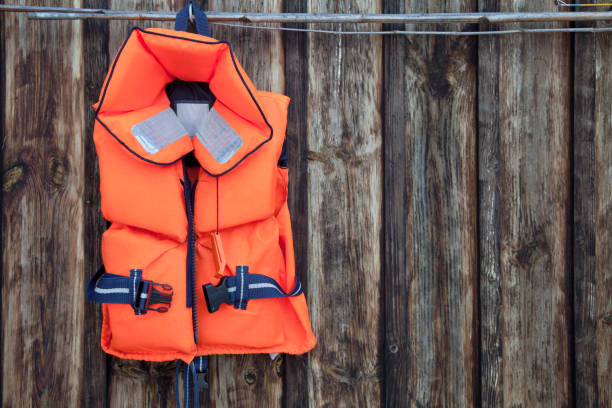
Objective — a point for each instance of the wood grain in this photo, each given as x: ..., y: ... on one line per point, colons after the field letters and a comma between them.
x: 584, y: 302
x: 119, y: 29
x: 489, y: 184
x: 42, y: 213
x: 296, y: 87
x: 533, y: 138
x: 602, y: 295
x: 395, y: 181
x: 141, y: 384
x: 260, y: 52
x: 344, y: 212
x: 430, y: 222
x: 246, y: 381
x: 591, y: 255
x: 95, y: 63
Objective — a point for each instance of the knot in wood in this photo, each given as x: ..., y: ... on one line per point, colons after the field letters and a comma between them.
x: 13, y: 176
x: 56, y: 172
x: 250, y: 377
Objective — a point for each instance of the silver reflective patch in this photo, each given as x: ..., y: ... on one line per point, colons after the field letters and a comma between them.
x: 191, y: 114
x: 221, y: 141
x: 159, y: 131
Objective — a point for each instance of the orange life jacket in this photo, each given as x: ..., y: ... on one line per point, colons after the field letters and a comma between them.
x: 199, y: 256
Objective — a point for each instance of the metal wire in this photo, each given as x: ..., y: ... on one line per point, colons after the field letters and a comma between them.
x: 561, y: 3
x: 59, y: 13
x: 221, y: 18
x: 440, y: 33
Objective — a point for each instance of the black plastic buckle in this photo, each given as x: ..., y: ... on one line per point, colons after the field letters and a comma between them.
x: 156, y: 296
x: 216, y: 295
x: 202, y: 380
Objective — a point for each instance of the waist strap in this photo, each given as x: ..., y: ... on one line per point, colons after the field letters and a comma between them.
x: 239, y: 289
x: 133, y: 290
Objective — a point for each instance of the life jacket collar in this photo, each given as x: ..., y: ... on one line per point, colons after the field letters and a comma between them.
x: 135, y: 109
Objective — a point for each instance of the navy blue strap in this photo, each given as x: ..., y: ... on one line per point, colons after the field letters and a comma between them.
x: 133, y: 290
x: 201, y: 368
x: 195, y: 375
x: 239, y: 289
x: 200, y: 20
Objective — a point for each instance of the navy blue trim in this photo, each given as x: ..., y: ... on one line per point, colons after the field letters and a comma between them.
x: 110, y: 75
x: 189, y: 193
x: 283, y: 160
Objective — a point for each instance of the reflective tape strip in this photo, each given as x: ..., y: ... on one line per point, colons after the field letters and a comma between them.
x: 218, y: 137
x: 159, y: 131
x: 191, y: 115
x: 107, y: 291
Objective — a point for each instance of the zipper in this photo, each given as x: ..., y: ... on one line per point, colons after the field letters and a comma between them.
x: 190, y: 280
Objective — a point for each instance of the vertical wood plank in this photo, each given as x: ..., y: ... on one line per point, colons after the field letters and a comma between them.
x: 345, y: 211
x: 439, y: 261
x: 489, y: 183
x: 135, y: 383
x: 602, y: 302
x: 3, y: 102
x: 247, y: 380
x: 533, y: 137
x: 141, y: 384
x: 395, y: 181
x: 585, y: 339
x: 119, y: 29
x: 260, y: 52
x: 250, y: 380
x: 42, y: 213
x: 592, y: 221
x: 296, y: 87
x: 95, y: 63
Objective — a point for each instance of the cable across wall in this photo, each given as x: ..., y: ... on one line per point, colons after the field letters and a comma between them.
x: 484, y: 20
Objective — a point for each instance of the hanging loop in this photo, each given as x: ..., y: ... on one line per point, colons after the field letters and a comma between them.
x: 192, y: 14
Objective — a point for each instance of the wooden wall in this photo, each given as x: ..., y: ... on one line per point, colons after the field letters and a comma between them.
x: 451, y: 201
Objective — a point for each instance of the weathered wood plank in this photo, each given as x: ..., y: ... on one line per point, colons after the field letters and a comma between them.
x: 141, y: 384
x: 533, y: 139
x: 430, y: 216
x: 296, y: 87
x: 345, y: 212
x: 95, y: 63
x: 246, y: 381
x: 585, y: 344
x: 260, y: 52
x: 3, y: 99
x: 119, y: 29
x: 42, y: 213
x: 592, y: 279
x: 251, y: 381
x: 602, y: 293
x: 395, y: 180
x: 489, y: 183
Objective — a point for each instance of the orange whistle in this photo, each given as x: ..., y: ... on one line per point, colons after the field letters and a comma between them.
x: 218, y: 254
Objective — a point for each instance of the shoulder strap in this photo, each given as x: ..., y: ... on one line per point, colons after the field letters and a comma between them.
x: 199, y: 19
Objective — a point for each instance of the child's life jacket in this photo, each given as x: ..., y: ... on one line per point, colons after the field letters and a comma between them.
x: 199, y: 257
